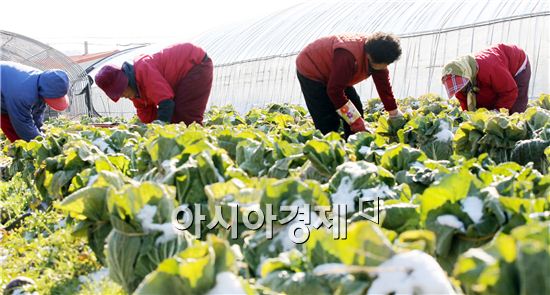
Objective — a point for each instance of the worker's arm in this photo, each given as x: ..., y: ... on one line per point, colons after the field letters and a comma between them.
x: 383, y: 87
x: 22, y: 119
x: 506, y: 89
x: 155, y: 87
x: 343, y: 69
x: 147, y: 114
x: 462, y: 100
x: 38, y: 115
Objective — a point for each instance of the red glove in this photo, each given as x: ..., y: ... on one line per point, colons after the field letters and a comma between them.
x: 358, y: 126
x: 351, y: 115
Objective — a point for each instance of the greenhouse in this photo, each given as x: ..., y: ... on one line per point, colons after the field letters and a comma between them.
x: 255, y: 62
x: 18, y: 48
x: 320, y: 147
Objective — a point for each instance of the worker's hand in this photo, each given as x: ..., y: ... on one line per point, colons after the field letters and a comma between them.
x: 395, y: 114
x: 358, y: 126
x: 160, y: 122
x: 166, y: 110
x: 352, y: 116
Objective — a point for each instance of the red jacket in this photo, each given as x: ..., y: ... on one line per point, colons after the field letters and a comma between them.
x: 497, y: 67
x: 316, y: 62
x: 157, y: 76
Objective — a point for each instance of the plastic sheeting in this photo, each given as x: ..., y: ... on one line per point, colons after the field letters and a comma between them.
x: 255, y: 62
x: 100, y: 101
x: 24, y: 50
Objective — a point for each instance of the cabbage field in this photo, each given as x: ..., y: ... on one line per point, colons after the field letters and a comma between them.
x: 437, y: 202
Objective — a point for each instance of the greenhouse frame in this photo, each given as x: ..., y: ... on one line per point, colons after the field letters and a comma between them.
x: 255, y: 61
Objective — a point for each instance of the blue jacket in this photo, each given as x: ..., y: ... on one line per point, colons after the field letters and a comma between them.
x: 23, y: 90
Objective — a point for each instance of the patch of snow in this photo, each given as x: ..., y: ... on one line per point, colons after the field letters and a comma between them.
x: 284, y: 258
x: 218, y: 175
x: 92, y: 179
x: 382, y: 191
x: 481, y: 255
x: 328, y: 268
x: 445, y: 134
x: 281, y: 238
x: 227, y: 283
x: 239, y: 183
x: 298, y: 276
x: 365, y: 150
x: 169, y: 165
x: 473, y: 206
x: 285, y: 240
x: 544, y: 214
x: 413, y: 272
x: 94, y: 277
x: 355, y: 170
x: 305, y: 220
x: 28, y: 236
x: 450, y: 221
x: 237, y: 252
x: 103, y: 146
x: 352, y: 137
x: 146, y: 217
x: 491, y: 192
x: 345, y: 195
x: 377, y: 107
x: 62, y: 223
x: 417, y: 165
x: 400, y: 205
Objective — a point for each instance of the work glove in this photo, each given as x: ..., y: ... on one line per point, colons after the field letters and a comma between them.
x: 358, y: 126
x: 351, y: 115
x: 396, y: 119
x: 166, y: 110
x: 395, y: 114
x: 160, y: 122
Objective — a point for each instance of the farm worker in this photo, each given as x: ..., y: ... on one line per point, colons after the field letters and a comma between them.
x: 330, y: 66
x: 171, y: 85
x: 25, y: 93
x: 494, y: 78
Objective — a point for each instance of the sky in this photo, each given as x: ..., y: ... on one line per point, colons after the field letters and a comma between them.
x: 66, y: 24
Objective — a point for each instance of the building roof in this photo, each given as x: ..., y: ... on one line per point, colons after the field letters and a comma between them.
x: 92, y: 56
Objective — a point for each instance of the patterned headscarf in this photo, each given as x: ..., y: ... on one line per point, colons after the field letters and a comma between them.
x: 456, y: 75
